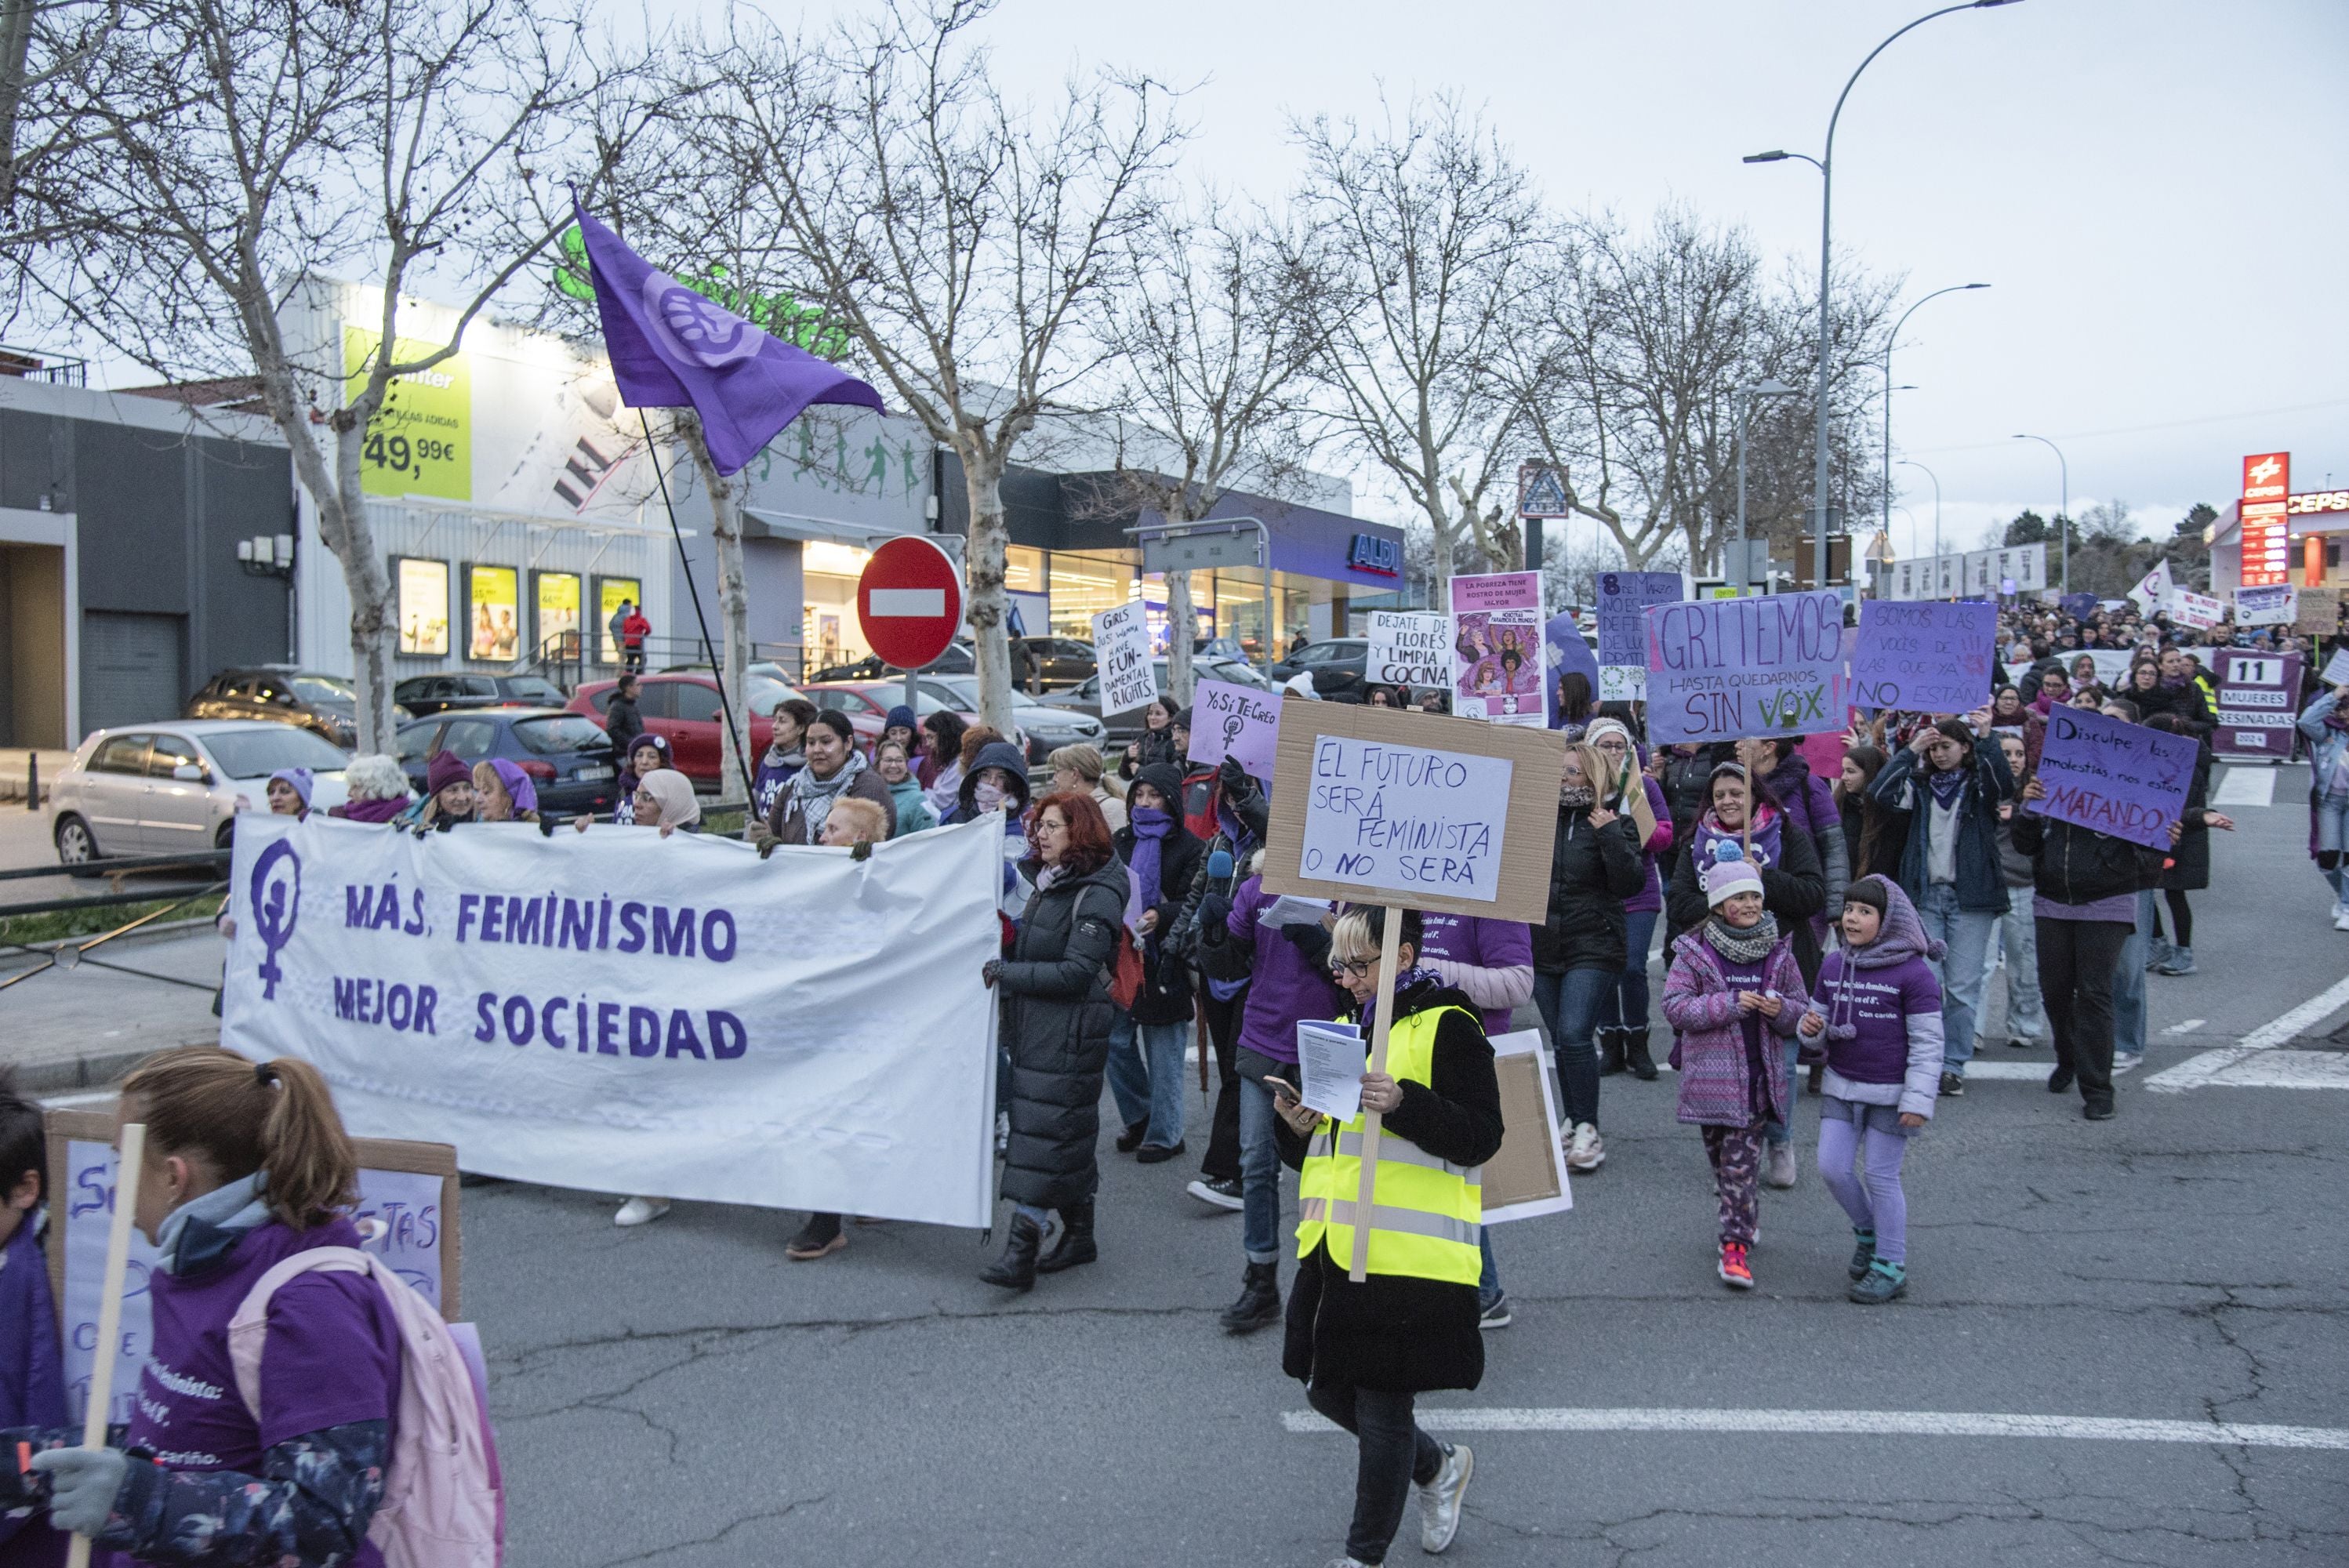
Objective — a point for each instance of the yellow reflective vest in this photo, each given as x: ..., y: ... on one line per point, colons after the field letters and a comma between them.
x: 1426, y: 1212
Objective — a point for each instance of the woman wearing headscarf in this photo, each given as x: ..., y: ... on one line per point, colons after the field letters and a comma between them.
x: 834, y: 772
x: 376, y: 789
x: 503, y: 792
x: 1162, y: 859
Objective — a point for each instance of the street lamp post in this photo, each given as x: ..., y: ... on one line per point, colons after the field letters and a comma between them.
x: 1826, y: 165
x: 2063, y: 508
x: 1745, y: 396
x: 1891, y: 339
x: 1912, y: 463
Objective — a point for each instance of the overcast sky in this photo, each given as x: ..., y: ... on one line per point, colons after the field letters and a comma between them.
x: 2157, y: 190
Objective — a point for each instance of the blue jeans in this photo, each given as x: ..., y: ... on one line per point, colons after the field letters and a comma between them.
x: 1628, y: 1006
x: 2027, y: 1014
x: 1147, y: 1084
x: 1259, y: 1160
x: 2128, y: 982
x: 1569, y: 1005
x: 1967, y: 934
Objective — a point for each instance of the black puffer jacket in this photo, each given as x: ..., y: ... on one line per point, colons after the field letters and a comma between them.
x: 1391, y: 1332
x: 2189, y: 862
x: 1687, y: 781
x: 2072, y: 864
x: 1166, y: 994
x: 1246, y: 798
x: 2186, y: 701
x: 1591, y: 872
x: 1054, y: 994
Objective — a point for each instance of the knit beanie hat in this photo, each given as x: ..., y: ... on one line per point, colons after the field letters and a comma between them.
x: 445, y: 769
x: 1730, y: 872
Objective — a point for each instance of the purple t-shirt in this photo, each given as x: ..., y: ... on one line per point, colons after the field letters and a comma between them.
x: 1284, y: 990
x: 1878, y: 1004
x: 1486, y: 944
x: 2120, y: 909
x: 331, y: 1357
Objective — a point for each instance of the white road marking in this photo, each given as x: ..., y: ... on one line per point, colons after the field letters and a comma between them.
x: 1985, y: 1069
x: 2245, y: 786
x: 2187, y: 1028
x: 2210, y: 1067
x: 1869, y: 1423
x: 2286, y: 1069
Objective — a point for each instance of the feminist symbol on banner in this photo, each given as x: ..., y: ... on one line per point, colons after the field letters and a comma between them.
x: 275, y: 913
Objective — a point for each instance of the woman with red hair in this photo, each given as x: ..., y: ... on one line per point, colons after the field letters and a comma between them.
x: 1053, y: 985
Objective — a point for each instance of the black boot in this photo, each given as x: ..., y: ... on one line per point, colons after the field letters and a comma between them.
x: 1610, y: 1051
x: 1259, y: 1302
x: 1016, y: 1269
x: 1635, y: 1056
x: 1074, y: 1244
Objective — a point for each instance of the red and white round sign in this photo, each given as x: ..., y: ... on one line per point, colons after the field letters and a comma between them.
x: 909, y: 602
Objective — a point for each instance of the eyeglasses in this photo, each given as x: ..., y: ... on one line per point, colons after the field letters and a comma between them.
x: 1353, y: 968
x: 1612, y: 743
x: 1051, y: 825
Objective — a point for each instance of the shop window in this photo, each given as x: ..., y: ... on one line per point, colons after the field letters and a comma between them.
x: 1082, y: 586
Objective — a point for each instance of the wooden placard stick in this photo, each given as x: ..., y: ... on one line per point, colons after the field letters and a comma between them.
x: 1390, y: 959
x: 109, y: 1304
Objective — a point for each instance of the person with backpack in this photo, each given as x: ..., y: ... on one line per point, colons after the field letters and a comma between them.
x: 268, y: 1422
x: 32, y: 1379
x: 1147, y: 1040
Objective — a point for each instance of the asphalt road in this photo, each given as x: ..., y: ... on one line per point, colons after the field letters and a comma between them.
x: 681, y: 1395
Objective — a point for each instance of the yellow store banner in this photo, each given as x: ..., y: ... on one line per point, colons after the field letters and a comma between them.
x: 420, y: 442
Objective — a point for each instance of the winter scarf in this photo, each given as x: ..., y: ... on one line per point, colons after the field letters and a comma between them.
x: 1901, y: 937
x: 202, y: 1231
x: 1150, y: 826
x: 1769, y: 824
x: 1406, y: 989
x: 1749, y: 945
x: 1946, y: 784
x: 1580, y: 798
x: 813, y: 797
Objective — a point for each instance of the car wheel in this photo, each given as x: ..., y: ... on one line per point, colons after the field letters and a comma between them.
x: 225, y: 836
x: 76, y: 846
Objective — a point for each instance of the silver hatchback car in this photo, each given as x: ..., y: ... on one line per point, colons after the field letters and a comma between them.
x: 170, y: 788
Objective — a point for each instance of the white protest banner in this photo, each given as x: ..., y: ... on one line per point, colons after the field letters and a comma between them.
x: 1623, y: 596
x: 2336, y: 668
x: 1121, y: 655
x: 2152, y: 590
x: 1719, y: 669
x: 1232, y: 721
x: 626, y: 1013
x: 1409, y: 648
x: 1924, y: 657
x: 2276, y: 606
x: 2198, y: 611
x: 405, y: 1216
x: 1497, y: 648
x: 2112, y: 667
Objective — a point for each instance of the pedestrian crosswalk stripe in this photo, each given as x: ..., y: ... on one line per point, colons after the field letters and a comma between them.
x: 2217, y: 1068
x: 1868, y: 1423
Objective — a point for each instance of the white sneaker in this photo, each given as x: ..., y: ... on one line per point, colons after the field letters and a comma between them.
x: 1002, y: 1132
x: 1778, y: 1164
x: 640, y: 1212
x: 2341, y: 919
x: 2126, y: 1062
x: 1439, y: 1500
x: 1585, y: 1149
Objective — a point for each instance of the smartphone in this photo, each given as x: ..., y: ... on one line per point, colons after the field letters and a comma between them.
x: 1281, y: 1087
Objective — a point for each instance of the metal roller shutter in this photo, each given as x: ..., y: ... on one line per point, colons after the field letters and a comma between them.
x: 131, y: 670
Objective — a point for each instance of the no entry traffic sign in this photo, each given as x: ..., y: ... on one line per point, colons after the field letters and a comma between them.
x: 909, y: 602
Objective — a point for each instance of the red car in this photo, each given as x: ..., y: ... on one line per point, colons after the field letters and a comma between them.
x: 872, y: 700
x: 683, y: 706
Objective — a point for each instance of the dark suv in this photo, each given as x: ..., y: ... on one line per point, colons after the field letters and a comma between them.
x: 1337, y: 665
x: 326, y: 705
x: 422, y: 695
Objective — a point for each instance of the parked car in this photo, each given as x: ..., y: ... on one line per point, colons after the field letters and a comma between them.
x: 960, y: 659
x: 423, y: 695
x: 326, y: 705
x: 174, y: 788
x: 684, y: 707
x: 1121, y: 729
x: 1043, y: 727
x: 568, y: 757
x: 1336, y: 663
x: 1059, y: 661
x: 873, y: 699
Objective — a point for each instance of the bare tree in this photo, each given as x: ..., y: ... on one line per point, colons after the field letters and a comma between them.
x: 1436, y: 231
x: 408, y: 140
x: 44, y: 45
x: 1224, y: 315
x: 955, y: 238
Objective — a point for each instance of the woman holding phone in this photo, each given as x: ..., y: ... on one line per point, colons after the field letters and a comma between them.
x: 1364, y: 1351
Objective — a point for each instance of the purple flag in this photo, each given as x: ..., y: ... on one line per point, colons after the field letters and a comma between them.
x: 671, y: 348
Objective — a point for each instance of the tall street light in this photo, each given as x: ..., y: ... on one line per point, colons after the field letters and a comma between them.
x: 1745, y: 396
x: 1827, y: 253
x: 1890, y: 340
x: 2063, y: 511
x: 1911, y: 463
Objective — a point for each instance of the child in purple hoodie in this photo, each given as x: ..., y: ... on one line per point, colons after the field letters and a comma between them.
x: 1879, y: 1008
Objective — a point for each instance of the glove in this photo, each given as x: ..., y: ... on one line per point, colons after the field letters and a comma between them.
x: 989, y: 970
x: 1215, y: 912
x: 1232, y: 776
x: 83, y: 1484
x: 1311, y: 940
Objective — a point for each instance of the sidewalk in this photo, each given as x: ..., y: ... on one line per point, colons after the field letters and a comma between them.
x: 84, y: 1027
x: 16, y: 765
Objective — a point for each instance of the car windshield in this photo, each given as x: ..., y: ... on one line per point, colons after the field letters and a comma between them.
x: 325, y: 690
x: 259, y: 752
x: 554, y: 737
x: 530, y: 688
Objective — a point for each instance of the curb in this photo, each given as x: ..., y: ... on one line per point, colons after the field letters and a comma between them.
x: 97, y: 1071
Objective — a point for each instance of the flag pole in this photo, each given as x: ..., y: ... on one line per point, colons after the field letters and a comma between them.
x: 733, y: 736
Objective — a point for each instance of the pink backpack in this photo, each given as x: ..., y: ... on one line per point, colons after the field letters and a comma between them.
x: 444, y: 1500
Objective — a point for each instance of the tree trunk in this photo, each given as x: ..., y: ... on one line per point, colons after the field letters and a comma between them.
x: 1182, y: 630
x: 733, y: 650
x: 983, y: 572
x: 344, y: 529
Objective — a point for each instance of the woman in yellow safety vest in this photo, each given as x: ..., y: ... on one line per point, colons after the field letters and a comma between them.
x: 1365, y: 1350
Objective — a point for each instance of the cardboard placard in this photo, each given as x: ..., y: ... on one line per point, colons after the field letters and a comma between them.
x: 2319, y: 612
x: 1121, y: 646
x: 409, y: 1190
x: 1927, y: 658
x: 1527, y: 1177
x: 2336, y: 668
x: 2116, y: 777
x: 1341, y: 767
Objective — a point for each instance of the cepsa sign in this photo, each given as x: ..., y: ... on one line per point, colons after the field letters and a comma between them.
x: 2267, y: 476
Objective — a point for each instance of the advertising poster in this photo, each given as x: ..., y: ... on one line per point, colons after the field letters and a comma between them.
x: 423, y: 590
x: 2256, y: 695
x: 493, y: 612
x: 558, y: 607
x: 1497, y: 648
x: 420, y: 441
x: 611, y: 592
